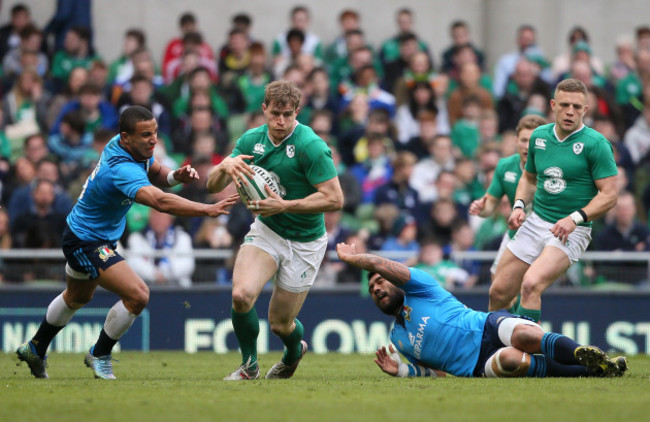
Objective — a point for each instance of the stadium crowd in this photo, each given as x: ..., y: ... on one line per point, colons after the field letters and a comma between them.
x: 415, y: 134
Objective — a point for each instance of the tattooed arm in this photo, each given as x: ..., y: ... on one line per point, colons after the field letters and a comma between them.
x: 393, y: 271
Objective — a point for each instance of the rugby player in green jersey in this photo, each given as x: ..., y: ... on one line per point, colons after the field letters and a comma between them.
x: 571, y: 173
x: 287, y: 241
x: 504, y: 181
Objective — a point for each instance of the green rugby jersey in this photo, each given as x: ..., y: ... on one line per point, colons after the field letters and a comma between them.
x: 505, y: 179
x: 566, y: 170
x: 299, y: 162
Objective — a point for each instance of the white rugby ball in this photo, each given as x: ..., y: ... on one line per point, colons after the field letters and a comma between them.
x: 254, y: 189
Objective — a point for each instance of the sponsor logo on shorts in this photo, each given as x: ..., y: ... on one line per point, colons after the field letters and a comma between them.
x: 291, y: 151
x: 540, y: 143
x: 258, y: 149
x: 578, y: 147
x: 105, y: 253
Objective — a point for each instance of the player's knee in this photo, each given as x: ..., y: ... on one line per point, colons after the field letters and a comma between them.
x: 527, y: 338
x: 242, y: 299
x: 137, y: 300
x: 511, y: 363
x: 531, y: 285
x: 498, y: 294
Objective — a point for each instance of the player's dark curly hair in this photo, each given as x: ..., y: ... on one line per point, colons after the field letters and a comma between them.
x: 131, y: 116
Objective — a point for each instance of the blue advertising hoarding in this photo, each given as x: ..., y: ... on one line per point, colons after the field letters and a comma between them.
x: 196, y: 320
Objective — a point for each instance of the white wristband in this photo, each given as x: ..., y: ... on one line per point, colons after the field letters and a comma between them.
x: 577, y: 217
x: 403, y: 370
x: 519, y: 204
x: 171, y: 180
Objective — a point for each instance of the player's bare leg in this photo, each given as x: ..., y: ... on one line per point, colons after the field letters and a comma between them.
x: 283, y: 310
x: 550, y: 265
x: 253, y: 269
x: 134, y: 296
x: 507, y: 281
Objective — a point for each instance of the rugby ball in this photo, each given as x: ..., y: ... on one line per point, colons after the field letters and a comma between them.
x: 254, y: 189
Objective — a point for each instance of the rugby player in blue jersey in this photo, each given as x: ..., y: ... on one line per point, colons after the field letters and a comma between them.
x: 126, y: 173
x: 436, y: 332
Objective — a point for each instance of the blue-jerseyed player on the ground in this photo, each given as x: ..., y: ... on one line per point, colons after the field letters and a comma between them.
x: 436, y: 332
x: 126, y: 173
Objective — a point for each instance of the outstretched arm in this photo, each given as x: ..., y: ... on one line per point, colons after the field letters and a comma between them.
x: 159, y: 175
x: 393, y: 271
x: 389, y: 361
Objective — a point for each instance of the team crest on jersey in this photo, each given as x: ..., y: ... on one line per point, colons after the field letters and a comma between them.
x: 258, y: 149
x: 406, y: 310
x: 578, y: 147
x: 291, y: 151
x: 540, y: 143
x: 510, y: 176
x: 105, y: 253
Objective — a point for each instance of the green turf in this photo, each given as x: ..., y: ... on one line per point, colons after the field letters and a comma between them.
x: 174, y: 386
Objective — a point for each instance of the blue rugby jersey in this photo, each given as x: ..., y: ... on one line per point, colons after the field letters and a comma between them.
x: 108, y: 194
x: 439, y: 331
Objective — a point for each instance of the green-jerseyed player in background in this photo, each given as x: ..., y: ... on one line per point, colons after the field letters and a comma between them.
x: 504, y: 182
x: 571, y: 172
x: 287, y: 241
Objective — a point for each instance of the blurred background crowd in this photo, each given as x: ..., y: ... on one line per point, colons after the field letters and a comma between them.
x: 415, y: 134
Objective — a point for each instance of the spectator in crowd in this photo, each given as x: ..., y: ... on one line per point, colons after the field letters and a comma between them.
x: 389, y: 50
x: 354, y: 142
x: 31, y: 39
x: 41, y: 225
x: 394, y: 70
x: 35, y: 148
x: 78, y: 78
x: 421, y: 99
x: 76, y: 52
x: 624, y: 233
x: 71, y: 144
x: 431, y: 259
x: 359, y: 53
x: 319, y: 94
x: 403, y: 238
x: 468, y: 86
x: 427, y: 131
x: 562, y: 62
x: 439, y: 158
x: 506, y: 65
x: 21, y: 174
x: 460, y: 36
x: 143, y: 93
x: 349, y: 20
x: 465, y: 133
x: 636, y: 138
x: 398, y: 191
x: 22, y: 199
x: 376, y: 170
x: 252, y: 82
x: 97, y: 112
x: 176, y: 48
x: 629, y: 90
x: 366, y: 82
x: 241, y: 22
x: 462, y: 240
x: 25, y: 107
x: 122, y: 70
x: 625, y: 60
x: 442, y: 216
x: 69, y: 14
x: 299, y: 21
x: 10, y: 33
x: 175, y: 265
x: 237, y: 60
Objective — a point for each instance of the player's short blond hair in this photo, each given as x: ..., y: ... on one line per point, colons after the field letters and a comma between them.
x: 530, y: 121
x: 572, y: 85
x: 282, y: 93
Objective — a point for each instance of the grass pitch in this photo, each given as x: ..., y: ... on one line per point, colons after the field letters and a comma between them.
x: 174, y: 386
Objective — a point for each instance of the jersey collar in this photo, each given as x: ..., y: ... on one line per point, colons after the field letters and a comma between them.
x: 285, y: 138
x: 568, y: 136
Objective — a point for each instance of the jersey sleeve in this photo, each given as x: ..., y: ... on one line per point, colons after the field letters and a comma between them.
x: 242, y: 147
x: 316, y: 161
x: 601, y: 157
x: 530, y: 160
x: 496, y: 186
x: 128, y: 178
x: 423, y: 284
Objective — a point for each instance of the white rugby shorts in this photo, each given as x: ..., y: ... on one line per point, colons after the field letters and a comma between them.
x: 297, y: 262
x: 534, y: 235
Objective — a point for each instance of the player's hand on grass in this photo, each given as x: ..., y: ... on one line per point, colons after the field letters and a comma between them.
x: 186, y: 174
x: 273, y: 204
x: 477, y: 206
x: 563, y: 228
x: 237, y: 168
x: 385, y: 361
x: 346, y: 251
x: 222, y: 206
x: 516, y: 218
